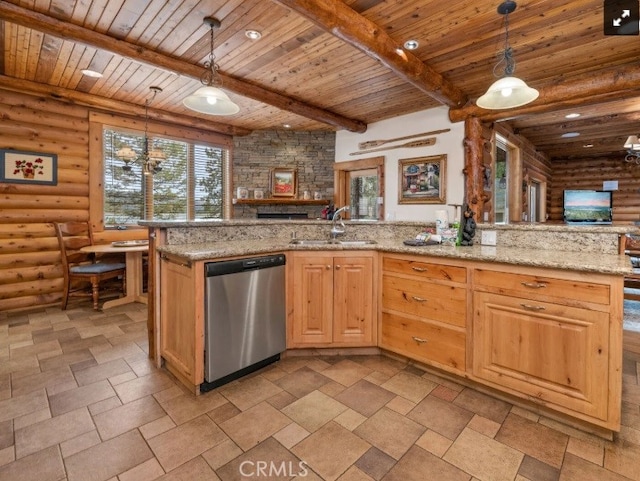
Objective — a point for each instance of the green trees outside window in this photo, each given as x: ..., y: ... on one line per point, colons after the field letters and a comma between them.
x: 189, y: 185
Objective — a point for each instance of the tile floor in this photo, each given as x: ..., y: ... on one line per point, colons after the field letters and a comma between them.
x: 80, y: 401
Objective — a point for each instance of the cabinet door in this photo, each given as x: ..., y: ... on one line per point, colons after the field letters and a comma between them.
x: 353, y: 300
x: 181, y: 330
x: 554, y: 353
x: 313, y: 300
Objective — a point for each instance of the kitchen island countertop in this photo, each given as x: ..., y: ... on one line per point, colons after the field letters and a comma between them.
x: 577, y: 261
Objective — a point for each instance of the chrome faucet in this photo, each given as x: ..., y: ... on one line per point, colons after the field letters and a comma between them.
x: 338, y: 229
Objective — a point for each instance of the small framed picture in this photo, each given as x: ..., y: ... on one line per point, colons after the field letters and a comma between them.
x: 284, y: 182
x: 20, y: 167
x: 422, y: 180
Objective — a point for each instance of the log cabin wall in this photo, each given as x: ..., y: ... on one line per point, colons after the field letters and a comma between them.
x: 590, y: 174
x: 30, y: 269
x: 30, y: 265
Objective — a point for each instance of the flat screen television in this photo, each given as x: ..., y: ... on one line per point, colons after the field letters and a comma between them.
x: 588, y: 207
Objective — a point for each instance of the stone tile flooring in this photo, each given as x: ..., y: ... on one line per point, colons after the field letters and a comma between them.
x: 80, y: 401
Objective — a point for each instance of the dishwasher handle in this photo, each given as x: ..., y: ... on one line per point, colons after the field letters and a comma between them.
x: 241, y: 265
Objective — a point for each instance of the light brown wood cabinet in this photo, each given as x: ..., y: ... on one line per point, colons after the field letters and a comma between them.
x: 424, y: 310
x: 331, y: 299
x: 551, y: 336
x: 182, y: 315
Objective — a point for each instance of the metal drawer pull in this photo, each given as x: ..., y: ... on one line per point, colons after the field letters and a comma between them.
x: 419, y: 340
x: 534, y: 285
x: 418, y: 299
x: 420, y: 269
x: 529, y: 307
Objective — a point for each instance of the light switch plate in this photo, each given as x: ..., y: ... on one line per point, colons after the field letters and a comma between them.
x: 489, y: 238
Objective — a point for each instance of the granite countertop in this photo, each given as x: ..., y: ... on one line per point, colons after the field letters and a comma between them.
x: 578, y: 261
x: 517, y: 226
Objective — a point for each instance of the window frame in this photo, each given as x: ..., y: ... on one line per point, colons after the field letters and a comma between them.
x: 99, y: 121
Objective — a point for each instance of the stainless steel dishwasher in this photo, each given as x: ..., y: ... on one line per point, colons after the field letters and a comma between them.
x: 245, y: 317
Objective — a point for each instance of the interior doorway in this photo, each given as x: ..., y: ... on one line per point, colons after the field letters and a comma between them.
x: 360, y: 185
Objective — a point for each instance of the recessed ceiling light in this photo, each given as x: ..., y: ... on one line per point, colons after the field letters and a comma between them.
x: 569, y: 135
x: 587, y: 146
x: 253, y: 34
x: 91, y: 73
x: 286, y: 126
x: 573, y: 115
x: 411, y: 44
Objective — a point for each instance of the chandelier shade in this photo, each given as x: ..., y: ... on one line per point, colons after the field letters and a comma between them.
x: 506, y: 93
x: 210, y: 99
x: 509, y: 91
x: 632, y: 143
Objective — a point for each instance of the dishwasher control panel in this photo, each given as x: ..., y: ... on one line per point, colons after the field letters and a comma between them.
x: 241, y: 265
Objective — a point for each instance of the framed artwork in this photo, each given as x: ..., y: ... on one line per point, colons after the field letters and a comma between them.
x: 422, y: 180
x: 284, y: 182
x: 20, y: 167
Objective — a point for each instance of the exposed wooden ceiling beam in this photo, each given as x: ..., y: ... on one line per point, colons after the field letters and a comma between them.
x: 73, y: 96
x: 138, y: 53
x: 536, y: 131
x: 610, y: 85
x: 345, y: 23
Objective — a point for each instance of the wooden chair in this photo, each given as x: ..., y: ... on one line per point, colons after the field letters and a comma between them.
x: 82, y: 266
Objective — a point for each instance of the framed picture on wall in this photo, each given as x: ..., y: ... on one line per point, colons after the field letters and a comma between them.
x: 422, y: 180
x: 20, y: 167
x: 284, y: 182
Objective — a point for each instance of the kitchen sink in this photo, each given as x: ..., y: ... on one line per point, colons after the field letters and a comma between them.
x: 310, y: 242
x: 320, y: 242
x: 357, y: 242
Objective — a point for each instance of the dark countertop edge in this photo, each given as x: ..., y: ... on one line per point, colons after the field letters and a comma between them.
x: 575, y: 261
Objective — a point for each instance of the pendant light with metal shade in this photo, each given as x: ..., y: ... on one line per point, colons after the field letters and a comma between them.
x: 210, y: 99
x: 508, y: 91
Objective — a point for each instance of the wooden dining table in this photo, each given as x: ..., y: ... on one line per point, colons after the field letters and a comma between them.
x: 133, y: 259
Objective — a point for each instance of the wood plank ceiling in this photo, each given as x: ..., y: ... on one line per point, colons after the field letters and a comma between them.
x: 321, y: 81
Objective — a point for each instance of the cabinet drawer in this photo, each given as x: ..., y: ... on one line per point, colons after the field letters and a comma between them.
x: 423, y: 341
x: 540, y: 287
x: 425, y: 270
x: 440, y: 302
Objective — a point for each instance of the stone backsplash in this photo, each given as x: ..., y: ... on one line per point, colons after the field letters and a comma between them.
x: 601, y: 240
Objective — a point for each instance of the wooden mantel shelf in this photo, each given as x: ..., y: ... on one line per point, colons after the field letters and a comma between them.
x: 285, y: 200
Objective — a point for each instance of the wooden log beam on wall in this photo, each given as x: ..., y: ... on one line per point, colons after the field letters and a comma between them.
x: 473, y: 166
x: 610, y: 85
x: 138, y: 53
x: 345, y: 23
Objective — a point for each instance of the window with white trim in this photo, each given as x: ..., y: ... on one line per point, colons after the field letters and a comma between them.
x: 189, y: 185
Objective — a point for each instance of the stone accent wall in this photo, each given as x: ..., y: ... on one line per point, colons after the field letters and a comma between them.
x: 310, y: 153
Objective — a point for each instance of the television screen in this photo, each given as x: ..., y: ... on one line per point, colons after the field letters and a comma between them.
x: 588, y: 207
